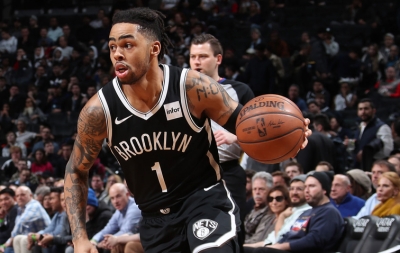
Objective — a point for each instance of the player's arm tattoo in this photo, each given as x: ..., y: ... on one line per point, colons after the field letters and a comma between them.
x: 91, y: 125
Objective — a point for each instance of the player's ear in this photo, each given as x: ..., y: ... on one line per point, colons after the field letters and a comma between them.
x: 155, y: 48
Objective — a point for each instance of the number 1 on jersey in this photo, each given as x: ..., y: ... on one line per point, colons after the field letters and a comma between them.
x: 160, y: 176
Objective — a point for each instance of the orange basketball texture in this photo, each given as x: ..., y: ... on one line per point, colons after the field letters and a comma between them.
x: 270, y: 128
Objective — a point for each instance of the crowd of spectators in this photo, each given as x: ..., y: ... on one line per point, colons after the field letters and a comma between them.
x: 347, y: 84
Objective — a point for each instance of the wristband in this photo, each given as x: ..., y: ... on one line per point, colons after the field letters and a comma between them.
x: 33, y: 236
x: 93, y: 240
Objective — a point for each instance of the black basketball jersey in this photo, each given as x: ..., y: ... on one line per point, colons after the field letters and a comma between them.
x: 165, y: 153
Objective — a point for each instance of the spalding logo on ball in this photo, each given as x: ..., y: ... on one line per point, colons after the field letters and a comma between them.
x: 270, y: 128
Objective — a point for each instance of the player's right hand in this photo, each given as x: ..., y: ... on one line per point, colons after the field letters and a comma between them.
x: 84, y: 247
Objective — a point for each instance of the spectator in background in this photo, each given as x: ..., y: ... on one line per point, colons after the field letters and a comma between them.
x: 302, y: 68
x: 388, y: 42
x: 10, y: 166
x: 66, y: 50
x: 97, y: 185
x: 256, y: 39
x: 324, y: 166
x: 12, y: 141
x: 345, y: 99
x: 388, y: 195
x: 62, y: 160
x: 278, y: 200
x: 390, y: 84
x: 98, y: 214
x: 347, y: 204
x: 54, y: 31
x: 16, y: 101
x: 393, y: 58
x: 262, y: 182
x: 347, y: 66
x: 293, y: 169
x: 40, y: 165
x: 360, y: 183
x: 31, y: 217
x: 294, y: 95
x: 45, y: 133
x: 313, y: 108
x: 49, y: 153
x: 280, y: 178
x: 379, y: 167
x: 5, y: 119
x: 287, y: 218
x: 331, y: 46
x: 42, y: 191
x: 277, y: 45
x: 336, y: 123
x: 97, y: 22
x: 124, y: 220
x: 8, y: 204
x: 104, y: 196
x: 249, y: 191
x: 395, y: 160
x: 373, y: 64
x: 319, y: 89
x: 373, y: 137
x: 33, y: 239
x: 279, y: 69
x: 44, y: 41
x: 76, y: 102
x: 318, y: 53
x: 32, y: 114
x: 8, y: 44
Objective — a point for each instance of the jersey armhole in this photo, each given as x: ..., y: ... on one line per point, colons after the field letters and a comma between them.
x: 107, y: 115
x: 185, y: 106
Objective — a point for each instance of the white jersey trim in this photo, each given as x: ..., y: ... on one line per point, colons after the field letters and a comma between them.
x: 226, y: 237
x: 185, y: 107
x: 106, y: 114
x: 213, y: 163
x: 144, y: 115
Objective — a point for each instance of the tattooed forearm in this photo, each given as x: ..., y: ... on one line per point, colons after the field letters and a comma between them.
x: 91, y: 128
x: 225, y: 114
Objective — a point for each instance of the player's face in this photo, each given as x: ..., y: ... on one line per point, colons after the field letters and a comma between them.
x: 313, y: 191
x: 202, y: 59
x: 129, y: 52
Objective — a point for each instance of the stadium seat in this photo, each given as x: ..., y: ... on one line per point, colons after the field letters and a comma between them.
x: 355, y: 233
x: 385, y: 231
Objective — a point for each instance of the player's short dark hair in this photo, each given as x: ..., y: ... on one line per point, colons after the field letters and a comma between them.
x: 293, y: 163
x: 323, y: 120
x: 384, y: 163
x: 208, y: 38
x: 367, y: 100
x: 151, y: 25
x: 8, y: 191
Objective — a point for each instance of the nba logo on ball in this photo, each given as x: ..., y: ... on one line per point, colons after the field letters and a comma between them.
x: 203, y: 228
x: 262, y: 131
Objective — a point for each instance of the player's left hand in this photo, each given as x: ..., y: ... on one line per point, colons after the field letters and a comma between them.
x: 307, y: 133
x: 224, y: 137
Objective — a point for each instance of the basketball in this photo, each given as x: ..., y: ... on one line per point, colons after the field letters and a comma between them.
x: 270, y: 128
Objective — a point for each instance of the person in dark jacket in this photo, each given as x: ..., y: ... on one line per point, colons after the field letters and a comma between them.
x: 99, y: 214
x: 7, y: 201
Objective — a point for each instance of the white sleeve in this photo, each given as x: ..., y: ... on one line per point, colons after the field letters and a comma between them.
x: 385, y: 134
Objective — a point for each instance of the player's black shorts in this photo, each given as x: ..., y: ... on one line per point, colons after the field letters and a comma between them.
x: 207, y: 219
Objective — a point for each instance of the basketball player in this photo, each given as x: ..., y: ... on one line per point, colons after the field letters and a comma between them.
x: 156, y: 119
x: 205, y: 57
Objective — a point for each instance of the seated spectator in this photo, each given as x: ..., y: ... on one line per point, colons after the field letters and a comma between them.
x: 23, y: 135
x: 373, y: 67
x: 8, y: 44
x: 324, y: 166
x: 395, y: 160
x: 278, y: 200
x: 62, y: 160
x: 338, y: 130
x: 313, y: 107
x: 31, y: 218
x: 388, y: 195
x: 8, y: 204
x: 345, y: 99
x: 76, y: 101
x: 32, y: 114
x: 318, y: 88
x: 389, y: 87
x: 293, y: 169
x: 378, y: 168
x: 393, y: 58
x: 40, y: 165
x: 45, y: 133
x: 360, y: 183
x: 54, y: 229
x: 347, y: 204
x: 59, y: 242
x: 40, y: 192
x: 25, y: 176
x: 12, y: 141
x: 98, y: 214
x: 312, y: 231
x: 111, y: 180
x: 9, y: 167
x: 287, y: 218
x: 388, y: 42
x: 294, y: 95
x: 280, y: 178
x: 46, y: 204
x: 262, y: 182
x: 124, y: 220
x: 97, y: 185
